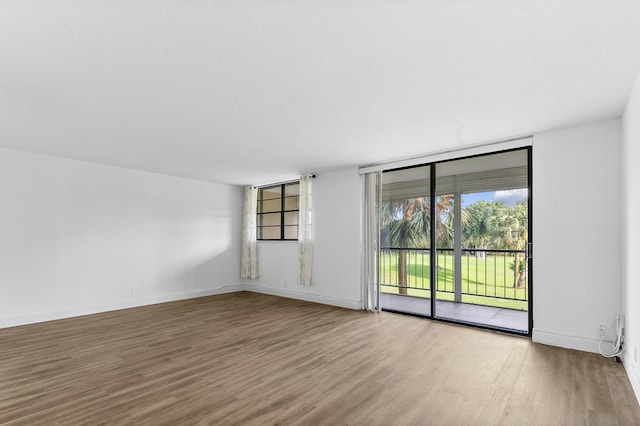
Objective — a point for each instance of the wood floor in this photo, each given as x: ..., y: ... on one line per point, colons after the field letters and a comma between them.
x: 246, y: 358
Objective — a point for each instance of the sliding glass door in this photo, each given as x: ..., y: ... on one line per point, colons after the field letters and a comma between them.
x: 482, y: 239
x: 405, y: 241
x: 454, y: 241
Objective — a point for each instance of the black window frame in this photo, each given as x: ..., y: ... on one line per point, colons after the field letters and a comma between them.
x: 283, y: 197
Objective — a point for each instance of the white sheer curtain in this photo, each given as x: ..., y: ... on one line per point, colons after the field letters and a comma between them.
x: 305, y: 230
x: 249, y: 262
x: 371, y: 241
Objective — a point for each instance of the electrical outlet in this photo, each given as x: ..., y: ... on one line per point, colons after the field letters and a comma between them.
x: 603, y: 330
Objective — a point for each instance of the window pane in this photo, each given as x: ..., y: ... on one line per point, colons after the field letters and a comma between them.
x: 293, y: 189
x: 270, y: 233
x: 291, y: 232
x: 291, y: 218
x: 271, y: 192
x: 291, y: 203
x: 269, y: 219
x: 273, y: 205
x: 269, y: 199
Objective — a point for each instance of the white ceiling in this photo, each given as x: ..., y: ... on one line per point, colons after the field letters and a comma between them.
x: 252, y: 91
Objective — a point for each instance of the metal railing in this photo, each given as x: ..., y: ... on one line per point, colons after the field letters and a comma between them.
x: 483, y: 272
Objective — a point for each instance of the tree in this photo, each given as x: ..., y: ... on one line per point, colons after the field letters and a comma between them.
x: 406, y: 224
x: 520, y: 212
x: 476, y: 232
x: 444, y: 220
x: 508, y: 227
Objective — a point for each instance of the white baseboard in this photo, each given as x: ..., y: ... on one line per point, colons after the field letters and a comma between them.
x: 134, y: 303
x: 565, y: 341
x: 170, y: 297
x: 307, y: 297
x: 632, y: 374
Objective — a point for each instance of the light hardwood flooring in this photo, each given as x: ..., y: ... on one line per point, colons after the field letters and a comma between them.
x: 246, y: 358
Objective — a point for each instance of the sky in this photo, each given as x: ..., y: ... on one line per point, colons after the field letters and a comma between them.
x: 509, y: 197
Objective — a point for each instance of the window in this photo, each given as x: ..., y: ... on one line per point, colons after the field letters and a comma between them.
x: 278, y: 212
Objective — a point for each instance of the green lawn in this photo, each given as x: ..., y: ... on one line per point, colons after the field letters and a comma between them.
x: 481, y: 277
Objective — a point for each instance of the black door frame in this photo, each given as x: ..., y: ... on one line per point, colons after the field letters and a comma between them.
x: 433, y: 252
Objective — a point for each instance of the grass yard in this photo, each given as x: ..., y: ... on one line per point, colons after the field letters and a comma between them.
x: 485, y: 281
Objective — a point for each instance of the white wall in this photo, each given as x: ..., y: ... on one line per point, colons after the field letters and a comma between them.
x: 336, y: 256
x: 78, y: 237
x: 576, y: 233
x: 631, y: 235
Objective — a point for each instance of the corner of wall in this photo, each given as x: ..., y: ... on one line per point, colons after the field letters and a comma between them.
x: 630, y: 207
x: 307, y: 297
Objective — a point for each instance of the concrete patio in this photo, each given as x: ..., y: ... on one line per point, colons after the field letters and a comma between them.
x: 499, y: 318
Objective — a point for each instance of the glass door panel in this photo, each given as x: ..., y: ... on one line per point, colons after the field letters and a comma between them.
x: 482, y: 234
x: 405, y: 284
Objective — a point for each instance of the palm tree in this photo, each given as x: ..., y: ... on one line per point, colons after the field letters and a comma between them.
x: 406, y: 224
x: 444, y: 220
x: 508, y: 227
x: 475, y: 234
